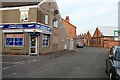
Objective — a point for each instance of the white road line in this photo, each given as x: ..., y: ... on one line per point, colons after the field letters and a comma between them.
x: 7, y: 62
x: 23, y: 61
x: 34, y: 60
x: 16, y: 62
x: 6, y: 67
x: 11, y: 74
x: 13, y: 65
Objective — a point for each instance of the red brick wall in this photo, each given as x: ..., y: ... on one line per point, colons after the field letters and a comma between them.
x: 71, y: 30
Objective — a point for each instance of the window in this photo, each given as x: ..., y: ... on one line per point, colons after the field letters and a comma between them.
x: 45, y: 40
x: 55, y: 22
x: 24, y: 15
x: 14, y: 40
x: 46, y: 19
x: 99, y: 41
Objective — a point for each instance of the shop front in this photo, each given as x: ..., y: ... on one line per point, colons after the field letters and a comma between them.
x: 25, y: 38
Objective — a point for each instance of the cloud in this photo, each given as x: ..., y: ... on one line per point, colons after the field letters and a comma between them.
x: 86, y: 14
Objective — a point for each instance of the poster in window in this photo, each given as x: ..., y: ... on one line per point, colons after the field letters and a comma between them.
x: 9, y: 41
x: 18, y: 41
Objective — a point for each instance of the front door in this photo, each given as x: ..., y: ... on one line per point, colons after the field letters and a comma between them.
x: 33, y: 45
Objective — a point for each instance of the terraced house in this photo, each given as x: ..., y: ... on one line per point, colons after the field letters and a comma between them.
x: 32, y: 28
x: 71, y: 32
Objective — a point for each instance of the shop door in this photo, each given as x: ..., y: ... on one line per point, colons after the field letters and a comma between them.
x: 33, y: 45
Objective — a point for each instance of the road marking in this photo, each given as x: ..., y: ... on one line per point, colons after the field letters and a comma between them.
x: 13, y: 65
x: 21, y: 63
x: 16, y: 62
x: 6, y: 67
x: 34, y: 60
x: 7, y: 62
x: 11, y: 74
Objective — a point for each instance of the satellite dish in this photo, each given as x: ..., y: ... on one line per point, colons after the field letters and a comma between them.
x: 56, y: 12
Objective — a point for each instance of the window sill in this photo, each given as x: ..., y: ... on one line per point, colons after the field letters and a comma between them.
x: 56, y: 27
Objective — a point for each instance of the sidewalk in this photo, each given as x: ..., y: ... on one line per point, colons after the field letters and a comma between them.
x: 17, y: 58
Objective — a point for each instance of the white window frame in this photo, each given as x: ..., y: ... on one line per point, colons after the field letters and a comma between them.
x: 46, y: 19
x: 45, y: 41
x: 24, y: 14
x: 56, y: 23
x: 14, y: 41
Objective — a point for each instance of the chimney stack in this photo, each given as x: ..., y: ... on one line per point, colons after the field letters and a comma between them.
x: 67, y: 19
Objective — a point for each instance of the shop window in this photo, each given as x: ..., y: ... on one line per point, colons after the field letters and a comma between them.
x: 14, y: 40
x: 55, y: 22
x: 24, y: 15
x: 45, y: 40
x: 46, y: 19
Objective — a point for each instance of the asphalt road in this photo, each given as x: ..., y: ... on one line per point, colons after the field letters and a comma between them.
x: 85, y: 62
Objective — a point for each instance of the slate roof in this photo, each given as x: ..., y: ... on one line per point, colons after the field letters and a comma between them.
x: 107, y: 30
x: 91, y: 31
x: 16, y: 3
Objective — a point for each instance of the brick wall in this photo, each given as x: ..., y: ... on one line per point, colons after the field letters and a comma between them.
x: 71, y: 30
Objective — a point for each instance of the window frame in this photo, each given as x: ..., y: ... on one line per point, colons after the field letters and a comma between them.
x: 45, y: 41
x: 55, y: 23
x: 46, y: 17
x: 24, y: 11
x: 14, y: 41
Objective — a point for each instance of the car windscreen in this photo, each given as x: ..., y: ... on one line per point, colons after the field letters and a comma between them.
x: 80, y: 44
x: 117, y: 57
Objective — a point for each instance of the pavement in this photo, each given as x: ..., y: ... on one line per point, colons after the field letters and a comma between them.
x: 87, y: 62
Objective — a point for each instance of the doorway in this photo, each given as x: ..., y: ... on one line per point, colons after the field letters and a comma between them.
x: 33, y: 45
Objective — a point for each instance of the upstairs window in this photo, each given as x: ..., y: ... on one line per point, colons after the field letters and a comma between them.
x: 46, y: 19
x: 24, y: 14
x: 55, y: 22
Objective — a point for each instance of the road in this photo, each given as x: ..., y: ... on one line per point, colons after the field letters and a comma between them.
x: 88, y: 62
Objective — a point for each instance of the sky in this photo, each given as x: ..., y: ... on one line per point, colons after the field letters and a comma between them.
x: 86, y: 15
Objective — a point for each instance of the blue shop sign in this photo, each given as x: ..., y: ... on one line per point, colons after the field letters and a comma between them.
x: 34, y: 34
x: 17, y: 26
x: 26, y: 26
x: 43, y: 27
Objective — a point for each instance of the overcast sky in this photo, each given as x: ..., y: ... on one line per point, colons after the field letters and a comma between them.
x: 86, y: 14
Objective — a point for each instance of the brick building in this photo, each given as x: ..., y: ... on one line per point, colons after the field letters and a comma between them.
x: 88, y: 39
x: 71, y: 32
x: 104, y: 37
x: 32, y: 28
x: 81, y: 39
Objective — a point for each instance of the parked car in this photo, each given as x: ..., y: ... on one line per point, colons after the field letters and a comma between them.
x: 113, y: 63
x: 79, y: 45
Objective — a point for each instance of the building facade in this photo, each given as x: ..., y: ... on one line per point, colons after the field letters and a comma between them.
x: 71, y: 32
x: 81, y: 39
x: 32, y: 29
x: 88, y: 39
x: 104, y: 37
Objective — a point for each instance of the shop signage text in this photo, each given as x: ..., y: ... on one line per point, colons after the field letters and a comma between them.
x: 25, y: 26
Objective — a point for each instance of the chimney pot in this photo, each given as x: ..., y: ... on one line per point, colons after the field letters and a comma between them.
x: 67, y: 18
